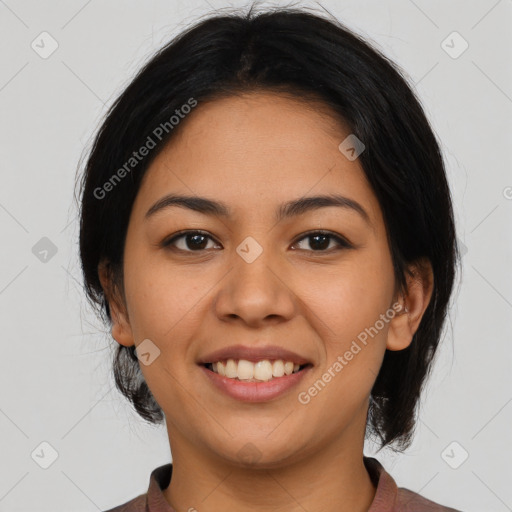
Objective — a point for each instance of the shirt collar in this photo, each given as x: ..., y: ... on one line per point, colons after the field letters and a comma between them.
x: 384, y: 500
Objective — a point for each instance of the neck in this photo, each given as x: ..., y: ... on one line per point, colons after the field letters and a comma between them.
x: 331, y: 478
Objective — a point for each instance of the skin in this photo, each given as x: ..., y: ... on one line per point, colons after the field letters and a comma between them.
x: 254, y: 152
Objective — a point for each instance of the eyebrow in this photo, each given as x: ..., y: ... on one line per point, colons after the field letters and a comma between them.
x: 286, y: 210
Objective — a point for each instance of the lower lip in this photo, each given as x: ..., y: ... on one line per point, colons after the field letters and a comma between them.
x: 255, y: 391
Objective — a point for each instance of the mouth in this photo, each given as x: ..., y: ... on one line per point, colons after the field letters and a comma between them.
x: 255, y: 371
x: 262, y: 380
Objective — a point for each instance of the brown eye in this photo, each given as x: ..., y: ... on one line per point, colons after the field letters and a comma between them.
x: 189, y: 241
x: 320, y: 241
x: 196, y: 241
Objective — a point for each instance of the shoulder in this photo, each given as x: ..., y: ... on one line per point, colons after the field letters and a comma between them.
x: 409, y: 501
x: 137, y: 504
x: 154, y: 498
x: 391, y: 498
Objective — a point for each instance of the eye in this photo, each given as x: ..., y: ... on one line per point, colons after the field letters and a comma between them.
x: 190, y: 241
x: 320, y: 241
x: 196, y: 241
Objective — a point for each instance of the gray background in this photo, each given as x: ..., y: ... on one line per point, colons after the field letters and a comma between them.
x: 55, y: 365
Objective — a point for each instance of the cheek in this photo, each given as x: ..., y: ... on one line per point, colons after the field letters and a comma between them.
x: 164, y: 306
x: 351, y: 296
x: 160, y: 299
x: 354, y: 343
x: 350, y: 304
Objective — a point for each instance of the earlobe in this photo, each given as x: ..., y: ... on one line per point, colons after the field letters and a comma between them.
x: 121, y: 330
x: 403, y: 326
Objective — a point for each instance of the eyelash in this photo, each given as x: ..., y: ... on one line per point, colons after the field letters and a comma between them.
x: 342, y: 243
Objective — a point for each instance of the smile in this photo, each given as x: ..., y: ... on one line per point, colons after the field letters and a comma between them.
x: 248, y: 371
x: 252, y: 389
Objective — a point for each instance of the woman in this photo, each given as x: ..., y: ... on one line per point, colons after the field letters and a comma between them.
x: 267, y: 227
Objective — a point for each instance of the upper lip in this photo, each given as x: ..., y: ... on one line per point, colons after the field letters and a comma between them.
x: 254, y: 354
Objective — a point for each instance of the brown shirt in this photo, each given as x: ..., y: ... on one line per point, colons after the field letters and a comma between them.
x: 388, y: 497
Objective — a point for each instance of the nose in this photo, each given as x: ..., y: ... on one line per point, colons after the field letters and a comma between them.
x: 256, y: 293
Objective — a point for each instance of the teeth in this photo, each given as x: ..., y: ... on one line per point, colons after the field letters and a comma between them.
x: 231, y: 369
x: 245, y: 370
x: 261, y: 371
x: 278, y: 368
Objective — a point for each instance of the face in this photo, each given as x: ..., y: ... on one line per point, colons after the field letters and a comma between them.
x: 255, y: 279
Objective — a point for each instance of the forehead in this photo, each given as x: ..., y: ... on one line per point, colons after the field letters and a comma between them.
x: 260, y: 124
x: 256, y: 151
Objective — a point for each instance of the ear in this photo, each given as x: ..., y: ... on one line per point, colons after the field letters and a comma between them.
x: 405, y: 323
x: 121, y: 329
